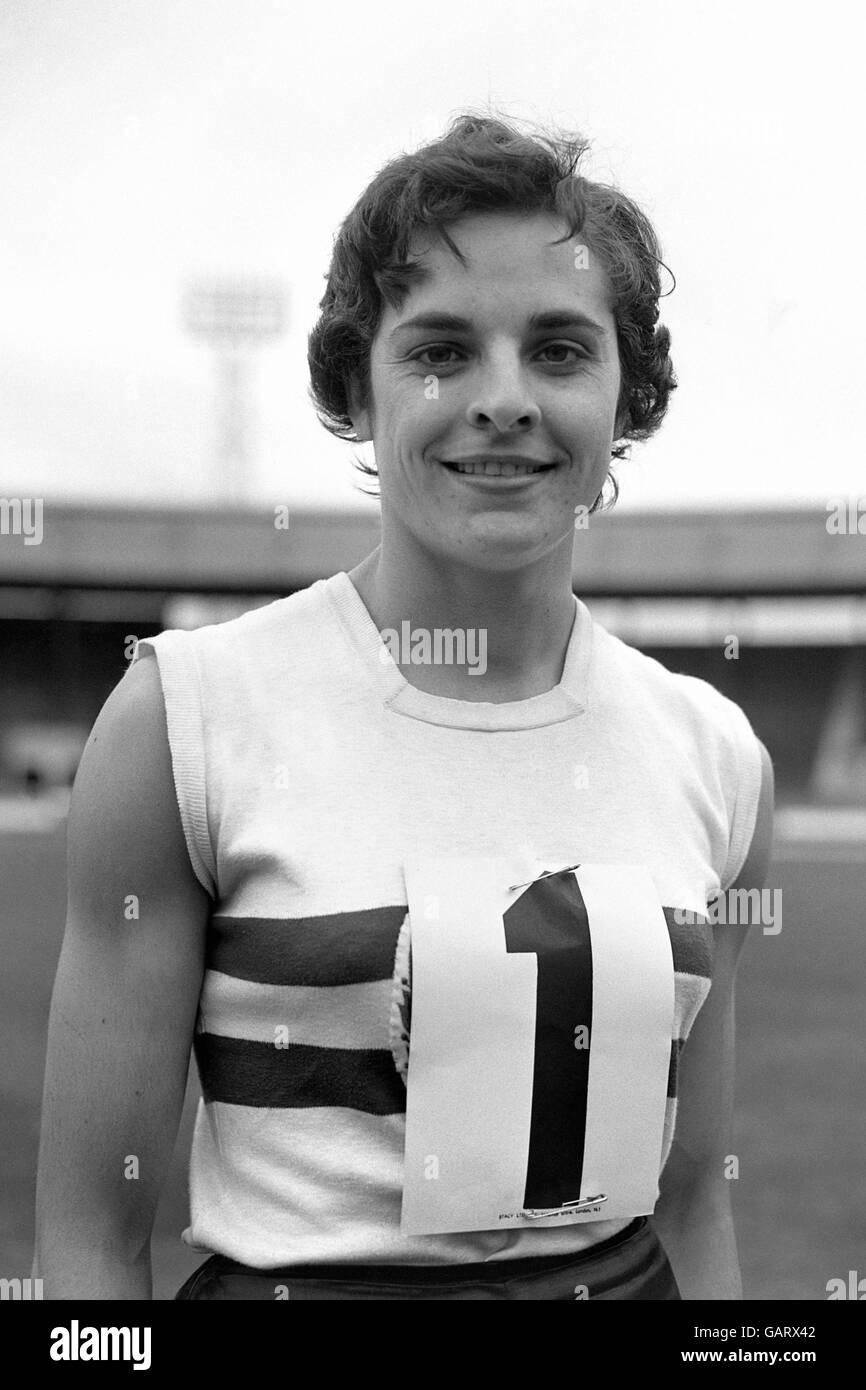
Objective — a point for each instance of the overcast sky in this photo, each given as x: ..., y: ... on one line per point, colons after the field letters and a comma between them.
x: 148, y: 141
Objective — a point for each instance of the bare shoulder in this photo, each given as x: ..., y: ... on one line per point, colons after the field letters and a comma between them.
x: 131, y: 723
x: 123, y: 814
x: 125, y: 997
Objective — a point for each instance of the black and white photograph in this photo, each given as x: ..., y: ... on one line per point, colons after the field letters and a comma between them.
x: 432, y: 666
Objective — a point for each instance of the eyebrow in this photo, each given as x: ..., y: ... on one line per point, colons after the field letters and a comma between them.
x: 454, y: 323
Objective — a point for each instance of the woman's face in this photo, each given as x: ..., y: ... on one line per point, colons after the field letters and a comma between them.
x: 510, y: 355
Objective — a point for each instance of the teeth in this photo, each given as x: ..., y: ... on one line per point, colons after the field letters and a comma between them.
x: 495, y: 470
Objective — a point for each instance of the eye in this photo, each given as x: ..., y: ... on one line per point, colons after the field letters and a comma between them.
x: 564, y: 348
x: 430, y: 351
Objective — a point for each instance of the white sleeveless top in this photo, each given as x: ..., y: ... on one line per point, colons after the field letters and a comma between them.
x: 307, y: 770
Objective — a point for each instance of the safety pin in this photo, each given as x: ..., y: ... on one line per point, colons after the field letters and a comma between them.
x: 578, y: 1204
x: 548, y: 873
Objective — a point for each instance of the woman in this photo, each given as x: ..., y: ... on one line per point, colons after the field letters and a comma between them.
x: 411, y: 849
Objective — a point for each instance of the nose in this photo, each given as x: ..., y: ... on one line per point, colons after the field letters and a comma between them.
x: 503, y: 397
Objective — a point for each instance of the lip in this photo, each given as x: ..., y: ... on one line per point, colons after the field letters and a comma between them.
x: 543, y: 466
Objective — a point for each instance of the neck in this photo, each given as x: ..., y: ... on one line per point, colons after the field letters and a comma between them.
x: 520, y: 620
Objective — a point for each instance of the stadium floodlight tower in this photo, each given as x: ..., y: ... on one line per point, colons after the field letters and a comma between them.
x: 236, y: 316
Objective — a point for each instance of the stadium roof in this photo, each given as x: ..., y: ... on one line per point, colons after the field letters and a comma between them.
x: 233, y: 550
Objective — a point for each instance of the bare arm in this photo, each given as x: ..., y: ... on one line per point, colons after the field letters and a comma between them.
x: 693, y: 1215
x: 123, y: 1008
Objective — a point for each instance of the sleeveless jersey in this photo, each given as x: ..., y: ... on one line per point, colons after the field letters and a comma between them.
x: 306, y: 770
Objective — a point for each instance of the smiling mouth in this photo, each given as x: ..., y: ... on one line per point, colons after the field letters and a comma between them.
x: 496, y: 468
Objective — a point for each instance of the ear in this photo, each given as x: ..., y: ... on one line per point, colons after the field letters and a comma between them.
x: 359, y: 414
x: 621, y: 422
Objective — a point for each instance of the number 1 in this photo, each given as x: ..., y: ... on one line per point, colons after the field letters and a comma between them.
x: 550, y: 920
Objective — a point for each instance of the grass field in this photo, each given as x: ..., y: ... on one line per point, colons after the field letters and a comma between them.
x: 800, y: 1199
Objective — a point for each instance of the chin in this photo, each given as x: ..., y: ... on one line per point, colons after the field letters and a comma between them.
x: 500, y: 553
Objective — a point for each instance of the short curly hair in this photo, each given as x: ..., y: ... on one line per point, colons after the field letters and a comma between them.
x: 484, y: 164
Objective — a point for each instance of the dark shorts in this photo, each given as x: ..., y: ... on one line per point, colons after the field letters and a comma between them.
x: 629, y: 1266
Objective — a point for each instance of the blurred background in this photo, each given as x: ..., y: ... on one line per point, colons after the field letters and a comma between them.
x: 171, y: 177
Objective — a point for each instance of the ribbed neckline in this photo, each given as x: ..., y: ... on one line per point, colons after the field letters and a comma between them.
x: 565, y: 701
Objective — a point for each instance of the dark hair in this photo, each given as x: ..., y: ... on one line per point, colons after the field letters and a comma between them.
x: 483, y: 164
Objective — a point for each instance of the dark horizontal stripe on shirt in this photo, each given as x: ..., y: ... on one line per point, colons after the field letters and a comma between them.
x: 350, y: 948
x: 691, y: 944
x: 239, y: 1072
x: 341, y: 948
